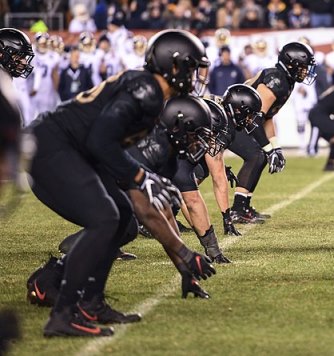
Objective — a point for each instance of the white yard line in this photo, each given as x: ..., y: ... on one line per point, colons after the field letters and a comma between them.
x: 96, y: 345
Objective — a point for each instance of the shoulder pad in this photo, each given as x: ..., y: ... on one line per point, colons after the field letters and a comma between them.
x: 276, y: 81
x: 146, y: 90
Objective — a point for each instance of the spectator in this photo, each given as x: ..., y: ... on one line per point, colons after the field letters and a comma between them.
x: 101, y: 15
x: 321, y: 12
x: 89, y: 4
x: 204, y: 16
x: 225, y: 74
x: 153, y: 16
x: 277, y: 15
x: 81, y: 21
x: 117, y: 33
x: 228, y: 15
x: 298, y: 16
x: 251, y: 15
x: 75, y: 78
x: 179, y: 16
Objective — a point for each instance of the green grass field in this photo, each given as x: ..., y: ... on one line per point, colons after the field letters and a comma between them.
x: 276, y: 298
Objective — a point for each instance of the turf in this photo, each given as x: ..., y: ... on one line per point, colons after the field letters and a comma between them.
x: 276, y: 298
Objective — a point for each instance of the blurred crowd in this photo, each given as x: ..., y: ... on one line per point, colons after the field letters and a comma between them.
x: 182, y: 14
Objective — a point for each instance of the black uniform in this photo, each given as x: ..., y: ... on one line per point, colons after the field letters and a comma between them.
x: 249, y: 147
x: 321, y: 115
x: 80, y: 156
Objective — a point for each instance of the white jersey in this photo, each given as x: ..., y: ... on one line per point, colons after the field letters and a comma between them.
x: 91, y: 60
x: 23, y: 89
x: 255, y: 63
x: 113, y: 63
x: 46, y: 97
x: 134, y: 60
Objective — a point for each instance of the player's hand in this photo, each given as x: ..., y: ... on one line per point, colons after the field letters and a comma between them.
x: 281, y: 158
x: 273, y: 161
x: 231, y: 177
x: 156, y: 190
x: 200, y: 266
x: 229, y: 228
x: 191, y: 285
x: 175, y: 194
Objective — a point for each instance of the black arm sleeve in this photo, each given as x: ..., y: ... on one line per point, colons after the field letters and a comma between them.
x: 259, y: 133
x: 109, y: 130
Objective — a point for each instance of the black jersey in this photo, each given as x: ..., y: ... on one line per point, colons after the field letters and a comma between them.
x: 279, y: 83
x: 102, y: 122
x: 326, y: 101
x: 156, y: 153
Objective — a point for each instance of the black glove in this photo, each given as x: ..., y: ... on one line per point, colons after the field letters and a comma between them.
x: 191, y: 285
x: 281, y: 159
x: 156, y: 190
x: 273, y: 161
x: 231, y: 177
x: 229, y: 228
x: 201, y: 266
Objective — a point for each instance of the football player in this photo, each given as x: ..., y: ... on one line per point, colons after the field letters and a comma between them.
x: 258, y: 145
x: 81, y: 158
x: 322, y: 118
x: 15, y: 57
x: 44, y: 95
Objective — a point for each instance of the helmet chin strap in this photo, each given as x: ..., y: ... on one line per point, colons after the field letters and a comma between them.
x: 285, y: 69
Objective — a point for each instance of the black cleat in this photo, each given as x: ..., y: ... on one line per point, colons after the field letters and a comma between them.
x: 97, y: 310
x: 71, y: 323
x: 183, y: 228
x: 221, y: 259
x: 44, y: 296
x: 257, y: 214
x: 245, y: 216
x: 49, y: 265
x: 43, y: 284
x: 144, y: 232
x: 329, y: 167
x: 125, y: 256
x: 191, y: 285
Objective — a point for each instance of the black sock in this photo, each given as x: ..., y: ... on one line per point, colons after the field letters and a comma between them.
x: 240, y: 201
x: 331, y: 152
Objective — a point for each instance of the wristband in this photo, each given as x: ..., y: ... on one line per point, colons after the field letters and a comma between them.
x: 267, y: 148
x: 274, y: 142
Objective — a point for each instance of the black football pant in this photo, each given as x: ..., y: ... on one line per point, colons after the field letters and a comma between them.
x: 246, y: 147
x: 69, y: 185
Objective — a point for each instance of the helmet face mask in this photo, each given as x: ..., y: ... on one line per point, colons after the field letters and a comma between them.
x: 297, y: 59
x: 16, y: 52
x: 221, y: 127
x: 187, y: 123
x: 243, y: 104
x: 87, y: 42
x: 180, y: 58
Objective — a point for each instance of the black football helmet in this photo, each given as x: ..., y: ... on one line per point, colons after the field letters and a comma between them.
x: 297, y: 59
x: 243, y: 104
x: 187, y: 121
x: 16, y: 52
x: 180, y: 57
x: 222, y: 127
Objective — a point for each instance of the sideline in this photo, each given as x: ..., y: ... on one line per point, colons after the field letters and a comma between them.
x: 94, y: 347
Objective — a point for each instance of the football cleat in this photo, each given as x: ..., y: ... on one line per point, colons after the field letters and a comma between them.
x: 329, y: 166
x: 221, y: 259
x: 43, y: 284
x: 70, y: 323
x: 257, y: 214
x: 183, y: 228
x: 245, y: 216
x: 191, y: 285
x: 97, y: 310
x: 144, y: 232
x: 125, y: 256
